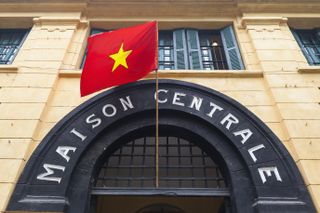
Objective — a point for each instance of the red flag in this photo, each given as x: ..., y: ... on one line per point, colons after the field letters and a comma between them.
x: 119, y: 57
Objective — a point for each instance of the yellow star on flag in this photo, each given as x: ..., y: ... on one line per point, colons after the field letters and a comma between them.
x: 120, y: 58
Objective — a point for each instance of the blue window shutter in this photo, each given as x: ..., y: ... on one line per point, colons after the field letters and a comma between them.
x: 194, y: 50
x: 302, y: 47
x: 318, y: 42
x: 180, y: 49
x: 316, y: 47
x: 231, y: 49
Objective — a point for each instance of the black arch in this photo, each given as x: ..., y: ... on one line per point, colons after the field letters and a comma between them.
x: 134, y: 149
x: 92, y: 159
x: 249, y: 192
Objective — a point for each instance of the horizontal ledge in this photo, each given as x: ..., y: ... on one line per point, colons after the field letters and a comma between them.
x: 264, y: 18
x: 206, y: 73
x: 70, y: 73
x: 160, y: 192
x: 184, y: 73
x: 163, y: 20
x: 56, y: 19
x: 4, y: 68
x: 309, y: 70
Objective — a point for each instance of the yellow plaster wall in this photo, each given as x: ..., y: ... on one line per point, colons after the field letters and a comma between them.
x: 296, y: 95
x: 44, y: 87
x: 26, y: 87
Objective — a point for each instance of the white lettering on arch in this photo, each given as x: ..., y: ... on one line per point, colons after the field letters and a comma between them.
x: 161, y: 101
x: 126, y: 103
x: 215, y: 107
x: 268, y: 171
x: 230, y: 119
x: 177, y: 98
x: 78, y: 134
x: 253, y: 149
x: 196, y: 103
x: 95, y: 121
x: 64, y: 150
x: 50, y: 171
x: 245, y: 134
x: 110, y: 113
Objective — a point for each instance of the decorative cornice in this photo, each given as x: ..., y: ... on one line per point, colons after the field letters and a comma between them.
x: 246, y: 21
x: 62, y: 22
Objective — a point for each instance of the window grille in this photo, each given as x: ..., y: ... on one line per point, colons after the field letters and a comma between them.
x: 166, y: 57
x: 212, y: 52
x: 182, y: 164
x: 10, y: 42
x: 309, y: 42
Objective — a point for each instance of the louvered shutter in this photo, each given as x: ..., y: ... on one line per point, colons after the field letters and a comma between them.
x: 180, y: 50
x: 231, y: 49
x: 318, y: 43
x: 316, y: 49
x: 194, y: 50
x: 301, y: 41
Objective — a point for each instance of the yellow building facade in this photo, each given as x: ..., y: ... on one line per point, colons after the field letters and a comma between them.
x: 277, y: 84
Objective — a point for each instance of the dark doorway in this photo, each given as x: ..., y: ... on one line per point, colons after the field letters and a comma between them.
x: 159, y: 204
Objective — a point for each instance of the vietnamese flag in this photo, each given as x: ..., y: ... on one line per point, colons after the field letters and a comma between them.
x: 119, y: 57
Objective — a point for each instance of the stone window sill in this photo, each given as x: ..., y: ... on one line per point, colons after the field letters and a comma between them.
x: 309, y: 70
x: 8, y: 68
x: 185, y: 73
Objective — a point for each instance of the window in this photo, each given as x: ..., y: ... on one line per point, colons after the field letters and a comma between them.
x: 182, y: 164
x: 184, y: 49
x: 199, y: 50
x: 309, y: 42
x: 10, y: 43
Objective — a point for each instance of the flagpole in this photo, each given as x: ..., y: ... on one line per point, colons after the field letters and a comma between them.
x: 157, y: 131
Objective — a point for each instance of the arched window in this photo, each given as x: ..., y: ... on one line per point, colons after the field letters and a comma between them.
x: 188, y: 174
x: 182, y: 164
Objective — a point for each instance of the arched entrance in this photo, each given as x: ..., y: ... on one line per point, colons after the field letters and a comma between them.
x: 189, y: 173
x: 259, y: 172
